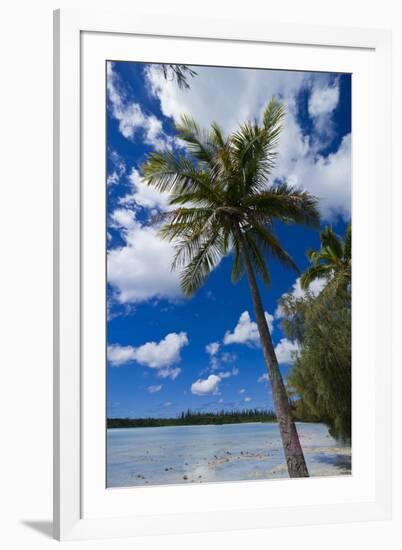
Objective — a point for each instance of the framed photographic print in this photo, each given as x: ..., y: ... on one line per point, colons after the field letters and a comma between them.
x: 218, y: 362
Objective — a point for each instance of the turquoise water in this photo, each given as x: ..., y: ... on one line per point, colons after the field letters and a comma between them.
x: 231, y: 452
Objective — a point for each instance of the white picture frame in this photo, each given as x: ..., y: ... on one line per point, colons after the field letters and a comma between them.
x: 83, y: 507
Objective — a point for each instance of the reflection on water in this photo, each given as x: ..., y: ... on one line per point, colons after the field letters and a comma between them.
x: 231, y: 452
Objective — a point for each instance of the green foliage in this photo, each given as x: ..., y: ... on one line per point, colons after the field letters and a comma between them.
x: 321, y: 374
x: 333, y: 261
x: 195, y: 418
x: 223, y: 199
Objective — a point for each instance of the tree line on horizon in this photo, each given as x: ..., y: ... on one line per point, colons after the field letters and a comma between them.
x: 194, y: 418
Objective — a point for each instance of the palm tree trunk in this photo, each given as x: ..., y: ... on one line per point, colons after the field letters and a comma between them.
x: 290, y: 440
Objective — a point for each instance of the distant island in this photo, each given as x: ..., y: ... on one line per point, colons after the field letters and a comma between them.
x: 194, y: 418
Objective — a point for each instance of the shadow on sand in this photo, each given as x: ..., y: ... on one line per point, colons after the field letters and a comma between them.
x: 341, y: 461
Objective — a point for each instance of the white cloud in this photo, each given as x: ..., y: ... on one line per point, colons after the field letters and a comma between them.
x: 207, y: 386
x: 212, y: 348
x: 141, y: 269
x: 229, y: 373
x: 285, y: 351
x: 154, y: 389
x: 314, y: 288
x: 246, y: 331
x: 328, y: 178
x: 169, y: 372
x: 167, y: 404
x: 263, y: 378
x: 155, y: 355
x: 323, y: 100
x: 237, y: 95
x: 145, y: 195
x: 131, y: 117
x: 242, y: 391
x: 123, y: 218
x: 119, y: 355
x: 164, y: 353
x: 119, y: 168
x: 247, y: 399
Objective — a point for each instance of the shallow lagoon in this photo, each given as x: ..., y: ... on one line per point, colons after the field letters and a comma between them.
x: 231, y: 452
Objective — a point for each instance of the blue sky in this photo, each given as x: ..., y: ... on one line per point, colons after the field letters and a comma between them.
x: 167, y: 353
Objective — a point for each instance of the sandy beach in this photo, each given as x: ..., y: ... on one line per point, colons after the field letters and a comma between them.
x: 203, y: 454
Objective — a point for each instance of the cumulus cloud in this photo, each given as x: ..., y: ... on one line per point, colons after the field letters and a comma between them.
x: 143, y: 195
x: 242, y: 391
x: 163, y: 353
x: 212, y: 348
x: 154, y: 389
x: 236, y: 94
x: 123, y: 218
x: 141, y: 269
x: 247, y: 399
x: 239, y: 94
x: 131, y: 116
x: 285, y: 351
x: 326, y: 177
x: 323, y: 100
x: 207, y: 386
x: 263, y: 378
x: 119, y: 355
x: 155, y: 355
x: 246, y: 331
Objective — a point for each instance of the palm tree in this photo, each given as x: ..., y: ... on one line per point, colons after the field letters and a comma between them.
x: 223, y: 202
x: 333, y: 261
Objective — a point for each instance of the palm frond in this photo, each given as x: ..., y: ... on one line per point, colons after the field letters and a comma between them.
x: 267, y: 240
x: 313, y: 273
x: 179, y: 72
x: 205, y: 260
x: 287, y: 203
x: 177, y: 175
x: 332, y: 242
x: 257, y: 258
x: 197, y: 140
x: 238, y: 267
x: 347, y: 247
x: 182, y: 221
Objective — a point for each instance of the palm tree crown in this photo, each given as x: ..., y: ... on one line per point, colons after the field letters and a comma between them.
x: 332, y: 261
x: 223, y: 199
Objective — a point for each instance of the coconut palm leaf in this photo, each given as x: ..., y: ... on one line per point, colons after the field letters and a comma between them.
x: 332, y: 261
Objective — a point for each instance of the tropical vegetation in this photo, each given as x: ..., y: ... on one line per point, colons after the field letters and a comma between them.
x: 195, y: 418
x: 223, y: 201
x: 320, y: 379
